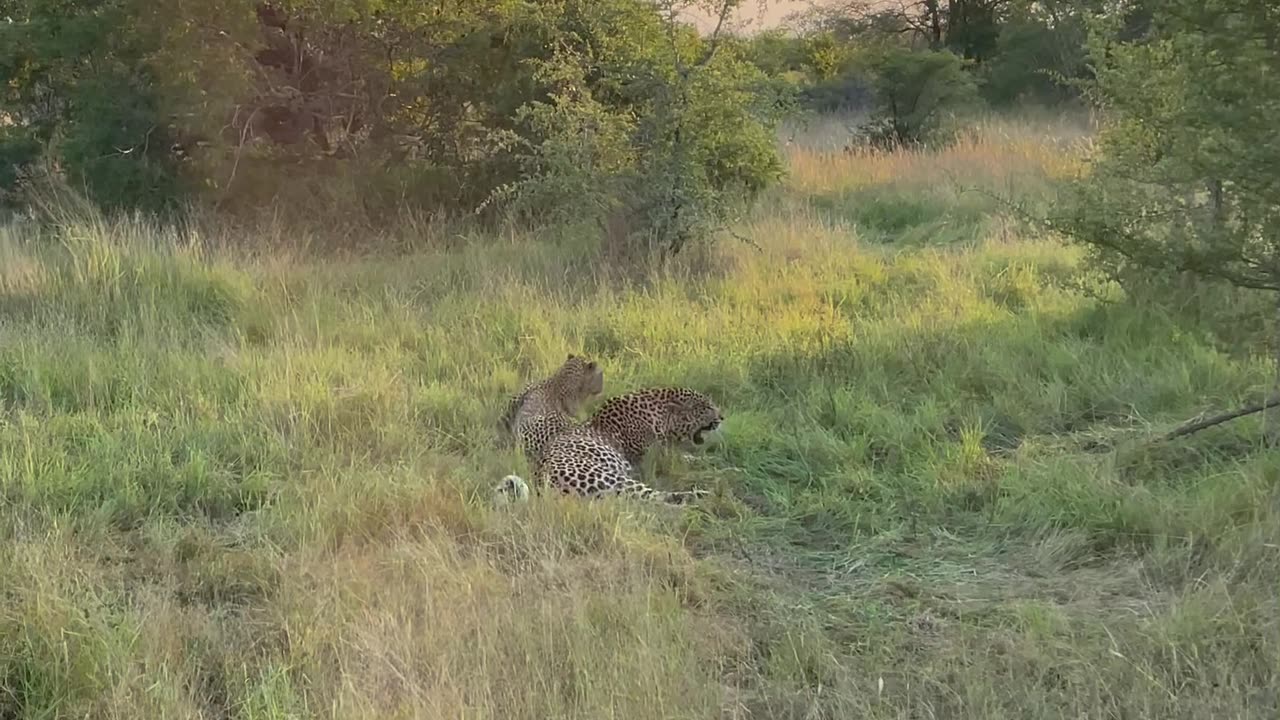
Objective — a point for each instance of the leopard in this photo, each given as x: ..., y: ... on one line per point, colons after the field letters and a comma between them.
x: 545, y: 408
x: 599, y: 458
x: 637, y: 420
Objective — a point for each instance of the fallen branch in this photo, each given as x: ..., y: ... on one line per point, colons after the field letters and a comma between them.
x: 1198, y: 425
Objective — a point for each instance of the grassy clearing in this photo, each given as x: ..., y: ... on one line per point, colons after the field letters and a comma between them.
x: 253, y: 485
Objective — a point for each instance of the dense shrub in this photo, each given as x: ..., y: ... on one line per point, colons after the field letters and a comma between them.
x: 75, y: 80
x: 918, y: 95
x: 260, y: 104
x: 1036, y: 62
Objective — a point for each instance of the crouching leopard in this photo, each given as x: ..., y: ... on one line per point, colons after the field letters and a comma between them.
x: 599, y: 458
x: 546, y: 408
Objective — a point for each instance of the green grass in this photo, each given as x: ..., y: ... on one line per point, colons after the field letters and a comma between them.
x: 255, y: 484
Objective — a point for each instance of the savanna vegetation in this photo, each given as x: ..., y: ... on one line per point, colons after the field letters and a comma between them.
x: 954, y: 271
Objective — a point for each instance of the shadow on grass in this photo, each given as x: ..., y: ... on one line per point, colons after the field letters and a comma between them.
x: 909, y: 217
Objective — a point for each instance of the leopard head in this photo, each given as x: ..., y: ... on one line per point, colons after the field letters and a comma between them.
x: 578, y: 380
x: 689, y: 415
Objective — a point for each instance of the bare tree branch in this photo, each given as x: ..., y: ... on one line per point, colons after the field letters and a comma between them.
x: 726, y: 7
x: 1196, y: 426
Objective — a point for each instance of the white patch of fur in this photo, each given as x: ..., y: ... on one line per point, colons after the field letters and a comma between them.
x: 512, y: 489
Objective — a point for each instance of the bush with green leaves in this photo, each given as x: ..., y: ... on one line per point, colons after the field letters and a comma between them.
x: 774, y: 51
x: 1036, y: 61
x: 919, y: 96
x: 837, y: 81
x: 707, y: 143
x: 689, y: 135
x: 576, y: 169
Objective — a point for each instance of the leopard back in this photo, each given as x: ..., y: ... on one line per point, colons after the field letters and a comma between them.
x: 546, y: 408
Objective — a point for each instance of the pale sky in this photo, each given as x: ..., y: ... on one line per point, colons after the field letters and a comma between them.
x: 751, y: 17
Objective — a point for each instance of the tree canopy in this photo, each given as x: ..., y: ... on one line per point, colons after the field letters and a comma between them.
x: 1185, y: 172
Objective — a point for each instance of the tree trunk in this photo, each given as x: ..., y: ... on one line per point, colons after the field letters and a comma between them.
x: 1271, y: 420
x: 1216, y: 200
x: 934, y: 17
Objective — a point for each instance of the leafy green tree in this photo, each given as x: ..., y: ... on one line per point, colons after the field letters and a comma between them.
x: 254, y: 103
x: 918, y: 95
x: 1186, y: 178
x: 1040, y: 52
x: 1018, y: 49
x: 75, y: 79
x: 775, y: 52
x: 691, y: 136
x: 969, y: 28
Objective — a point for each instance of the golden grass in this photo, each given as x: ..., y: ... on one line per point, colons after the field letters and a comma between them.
x: 994, y: 153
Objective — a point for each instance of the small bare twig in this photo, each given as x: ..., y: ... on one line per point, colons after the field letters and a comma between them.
x: 235, y: 166
x: 740, y: 238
